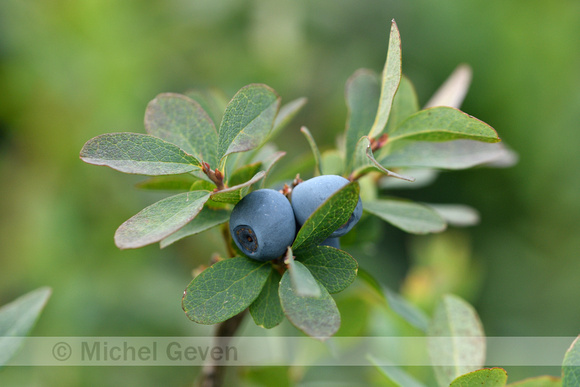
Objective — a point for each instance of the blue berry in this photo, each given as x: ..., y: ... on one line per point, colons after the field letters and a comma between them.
x: 262, y: 224
x: 310, y: 194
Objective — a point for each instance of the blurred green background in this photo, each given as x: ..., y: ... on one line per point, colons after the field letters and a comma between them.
x: 71, y: 70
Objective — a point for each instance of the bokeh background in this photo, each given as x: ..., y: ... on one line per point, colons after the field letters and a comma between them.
x: 71, y: 70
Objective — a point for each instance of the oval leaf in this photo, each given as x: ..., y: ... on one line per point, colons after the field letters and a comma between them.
x: 406, y: 103
x: 236, y: 193
x: 333, y: 268
x: 224, y: 289
x: 303, y: 283
x: 456, y: 339
x: 362, y: 99
x: 138, y: 153
x: 213, y: 101
x: 314, y: 149
x: 317, y: 317
x: 206, y: 219
x: 248, y: 119
x: 169, y: 183
x: 411, y: 217
x: 487, y: 377
x: 458, y: 154
x: 17, y: 319
x: 266, y: 310
x: 182, y: 121
x: 457, y: 215
x: 571, y: 365
x: 160, y: 219
x: 391, y: 78
x: 539, y: 381
x: 443, y: 124
x: 331, y: 214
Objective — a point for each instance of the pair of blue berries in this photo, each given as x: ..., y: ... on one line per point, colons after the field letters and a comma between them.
x: 264, y: 223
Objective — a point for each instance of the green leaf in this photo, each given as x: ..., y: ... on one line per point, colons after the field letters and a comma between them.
x: 234, y: 194
x: 487, y: 377
x: 303, y: 283
x: 286, y: 114
x: 213, y: 101
x: 409, y: 216
x: 395, y: 374
x: 423, y: 178
x: 362, y: 99
x: 266, y: 310
x: 405, y: 104
x: 458, y: 154
x: 391, y: 78
x: 539, y: 381
x: 224, y: 289
x: 314, y: 149
x: 17, y: 319
x: 160, y: 219
x: 458, y: 215
x: 331, y: 214
x: 571, y: 365
x: 243, y: 174
x: 137, y: 153
x: 453, y: 90
x: 455, y: 338
x: 364, y: 159
x: 333, y: 268
x: 443, y: 124
x: 248, y: 119
x: 317, y: 317
x: 181, y: 121
x: 169, y: 183
x: 206, y: 219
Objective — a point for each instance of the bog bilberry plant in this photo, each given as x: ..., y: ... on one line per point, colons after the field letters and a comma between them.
x: 285, y: 258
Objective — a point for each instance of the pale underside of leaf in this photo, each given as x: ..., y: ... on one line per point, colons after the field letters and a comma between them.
x: 160, y: 219
x: 409, y: 216
x: 453, y: 90
x: 391, y: 78
x: 138, y: 153
x: 317, y: 317
x: 456, y: 341
x: 17, y: 319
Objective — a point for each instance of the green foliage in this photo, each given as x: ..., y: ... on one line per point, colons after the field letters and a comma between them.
x: 456, y: 338
x: 160, y: 220
x: 571, y: 365
x: 224, y: 290
x: 181, y: 121
x: 17, y: 319
x: 303, y: 283
x: 408, y: 216
x: 488, y: 377
x: 331, y: 214
x: 333, y: 268
x: 540, y: 381
x: 138, y: 153
x: 248, y: 119
x: 215, y: 169
x: 266, y: 310
x: 316, y: 316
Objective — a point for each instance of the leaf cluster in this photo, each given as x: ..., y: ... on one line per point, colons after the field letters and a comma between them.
x: 211, y: 152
